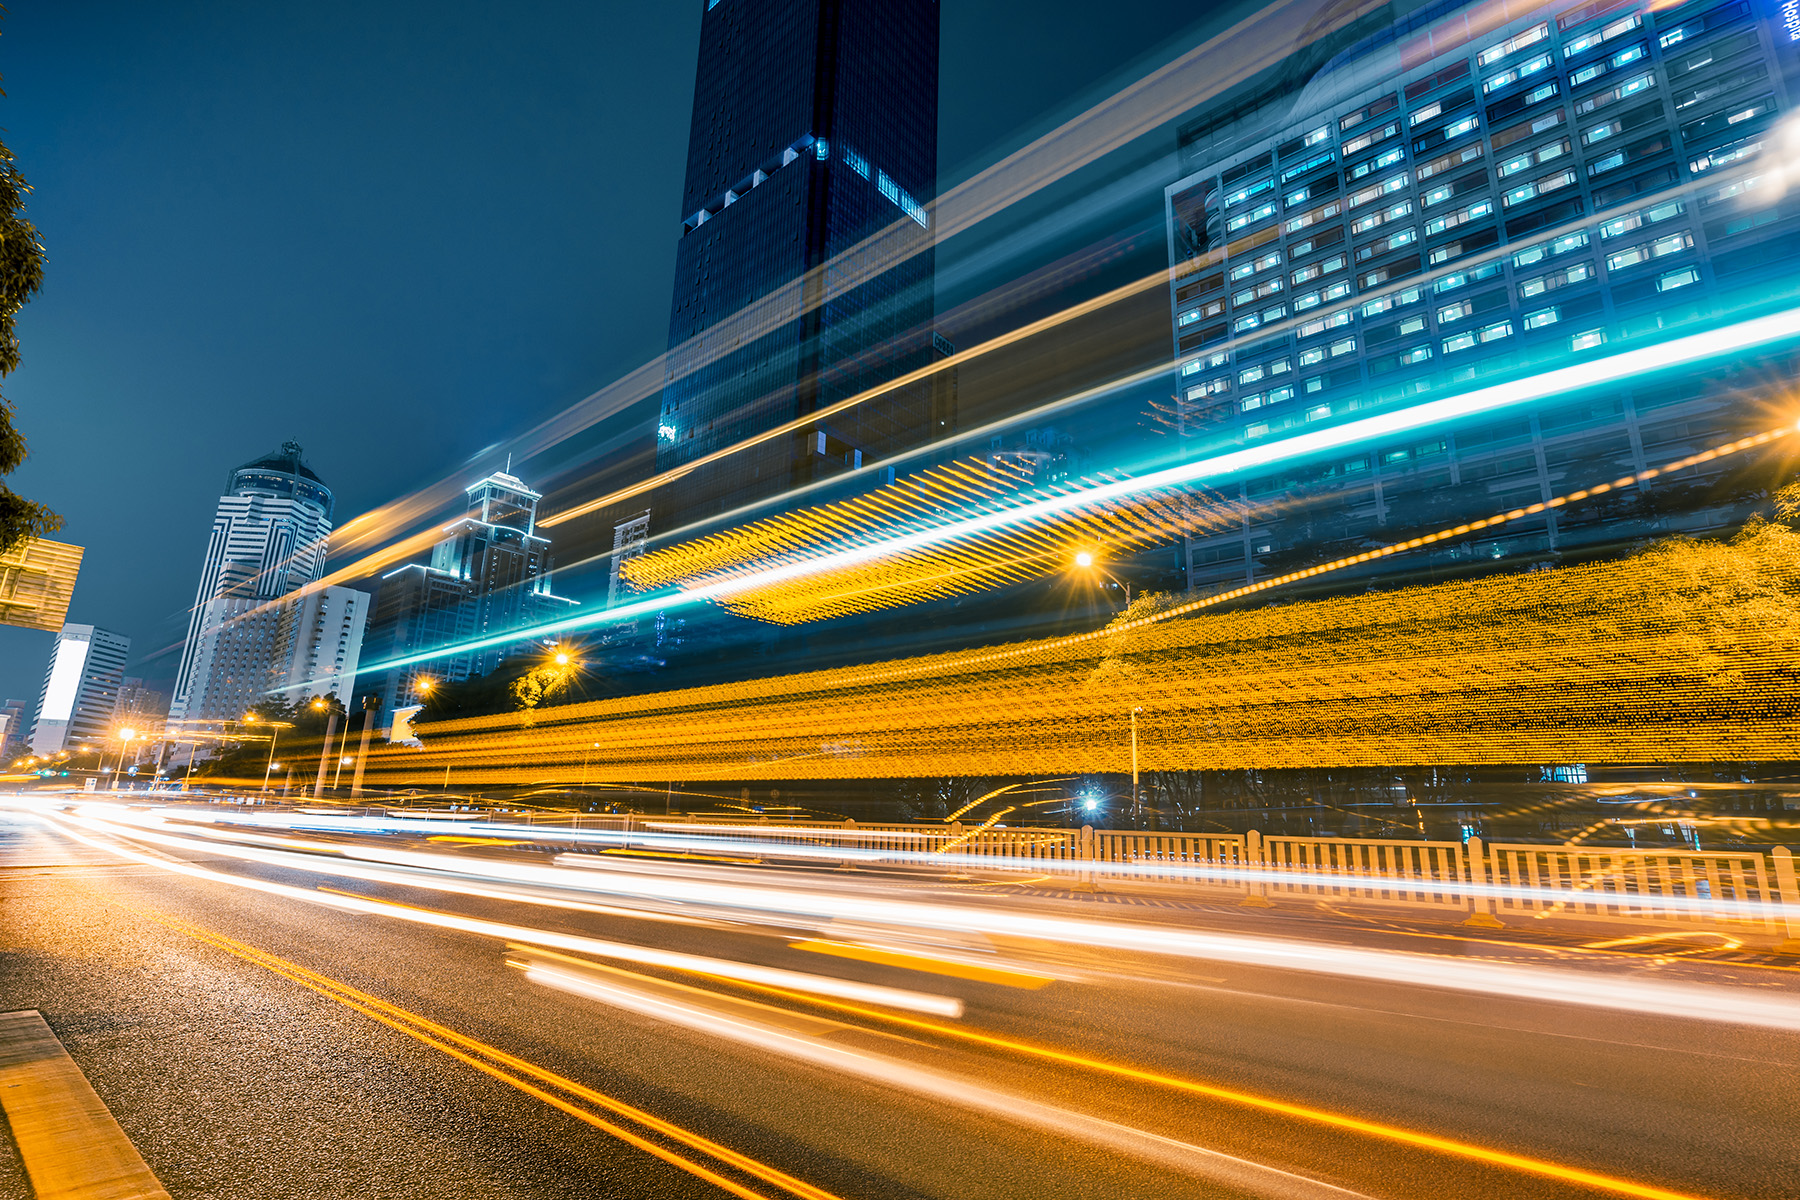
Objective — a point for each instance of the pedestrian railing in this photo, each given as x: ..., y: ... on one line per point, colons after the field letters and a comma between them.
x: 1744, y: 891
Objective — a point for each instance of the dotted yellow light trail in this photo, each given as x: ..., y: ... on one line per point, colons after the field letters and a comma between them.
x: 1685, y: 653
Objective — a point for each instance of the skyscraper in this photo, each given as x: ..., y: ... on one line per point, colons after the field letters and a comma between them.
x: 489, y: 574
x: 81, y: 687
x: 268, y: 540
x: 814, y: 130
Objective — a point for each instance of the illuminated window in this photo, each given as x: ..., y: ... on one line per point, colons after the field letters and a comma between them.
x: 1449, y: 162
x: 1479, y: 209
x: 1324, y: 266
x: 1247, y: 192
x: 1243, y: 220
x: 1415, y: 354
x: 1345, y: 346
x: 1381, y: 161
x: 1250, y: 403
x: 1637, y: 220
x: 1309, y: 357
x: 1391, y: 213
x: 1677, y: 279
x: 1457, y: 279
x: 1605, y: 33
x: 1461, y: 341
x: 1513, y: 44
x: 1550, y: 249
x: 1725, y: 155
x: 1541, y: 318
x: 1454, y: 312
x: 1251, y: 375
x: 1513, y: 74
x: 1318, y: 412
x: 1588, y: 339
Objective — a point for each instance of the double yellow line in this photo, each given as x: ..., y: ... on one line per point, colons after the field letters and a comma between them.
x: 579, y: 1101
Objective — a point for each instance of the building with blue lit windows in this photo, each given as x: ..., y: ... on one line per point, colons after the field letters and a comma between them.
x: 489, y: 573
x: 1471, y: 195
x: 804, y: 270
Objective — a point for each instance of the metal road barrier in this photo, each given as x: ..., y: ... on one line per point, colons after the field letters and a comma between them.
x: 1739, y: 891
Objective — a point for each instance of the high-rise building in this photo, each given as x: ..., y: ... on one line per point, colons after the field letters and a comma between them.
x: 489, y: 574
x: 804, y: 273
x: 81, y: 688
x: 1463, y: 198
x: 318, y: 643
x: 268, y: 540
x: 12, y: 730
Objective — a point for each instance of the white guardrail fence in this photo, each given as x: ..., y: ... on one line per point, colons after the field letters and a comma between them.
x: 1737, y: 891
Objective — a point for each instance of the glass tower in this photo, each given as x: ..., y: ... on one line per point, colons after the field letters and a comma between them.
x: 804, y: 271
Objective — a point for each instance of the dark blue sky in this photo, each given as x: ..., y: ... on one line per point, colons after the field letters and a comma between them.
x: 392, y: 231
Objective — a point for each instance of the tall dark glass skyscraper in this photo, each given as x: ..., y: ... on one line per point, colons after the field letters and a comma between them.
x: 804, y: 273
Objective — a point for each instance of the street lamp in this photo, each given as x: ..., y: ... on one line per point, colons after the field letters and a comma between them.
x: 125, y: 736
x: 275, y: 728
x: 333, y: 708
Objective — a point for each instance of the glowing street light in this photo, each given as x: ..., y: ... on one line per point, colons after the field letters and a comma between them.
x: 1084, y: 560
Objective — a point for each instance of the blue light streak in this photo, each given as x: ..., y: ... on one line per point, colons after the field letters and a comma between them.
x: 1714, y: 343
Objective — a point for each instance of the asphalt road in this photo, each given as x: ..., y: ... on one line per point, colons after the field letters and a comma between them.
x: 237, y: 1075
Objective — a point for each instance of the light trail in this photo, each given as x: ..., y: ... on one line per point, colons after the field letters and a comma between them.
x: 1552, y: 985
x: 619, y: 951
x: 770, y: 1038
x: 1774, y: 328
x: 1160, y: 96
x: 516, y: 1072
x: 738, y: 849
x: 1304, y: 1112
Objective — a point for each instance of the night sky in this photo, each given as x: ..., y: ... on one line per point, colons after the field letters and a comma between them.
x: 392, y: 232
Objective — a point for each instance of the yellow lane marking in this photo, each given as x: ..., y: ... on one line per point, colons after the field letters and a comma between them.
x: 514, y: 1071
x: 1392, y: 1133
x: 922, y: 962
x: 71, y: 1146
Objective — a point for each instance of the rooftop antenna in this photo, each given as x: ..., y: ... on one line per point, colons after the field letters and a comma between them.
x: 509, y: 463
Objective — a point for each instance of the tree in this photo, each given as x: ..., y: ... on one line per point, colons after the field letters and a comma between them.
x: 21, y: 274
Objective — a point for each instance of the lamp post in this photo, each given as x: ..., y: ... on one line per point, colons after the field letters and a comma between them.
x: 275, y: 728
x: 1136, y: 808
x: 332, y: 707
x: 370, y: 704
x: 125, y: 736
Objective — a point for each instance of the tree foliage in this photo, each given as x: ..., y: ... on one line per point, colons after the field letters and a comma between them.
x: 21, y: 274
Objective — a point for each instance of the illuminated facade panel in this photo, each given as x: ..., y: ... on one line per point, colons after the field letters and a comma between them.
x: 37, y: 578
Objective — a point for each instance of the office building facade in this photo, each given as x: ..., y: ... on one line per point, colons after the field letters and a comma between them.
x: 1469, y: 196
x: 489, y: 574
x: 804, y: 272
x: 269, y: 539
x: 81, y: 688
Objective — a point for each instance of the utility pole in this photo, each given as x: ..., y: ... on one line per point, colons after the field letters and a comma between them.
x: 1136, y: 808
x: 325, y: 749
x: 370, y: 704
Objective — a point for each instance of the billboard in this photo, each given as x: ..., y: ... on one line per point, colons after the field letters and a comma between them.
x: 36, y: 580
x: 64, y: 682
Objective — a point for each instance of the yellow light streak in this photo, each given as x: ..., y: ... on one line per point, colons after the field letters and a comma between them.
x: 1604, y: 662
x: 516, y: 1072
x: 913, y: 961
x: 1303, y: 1112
